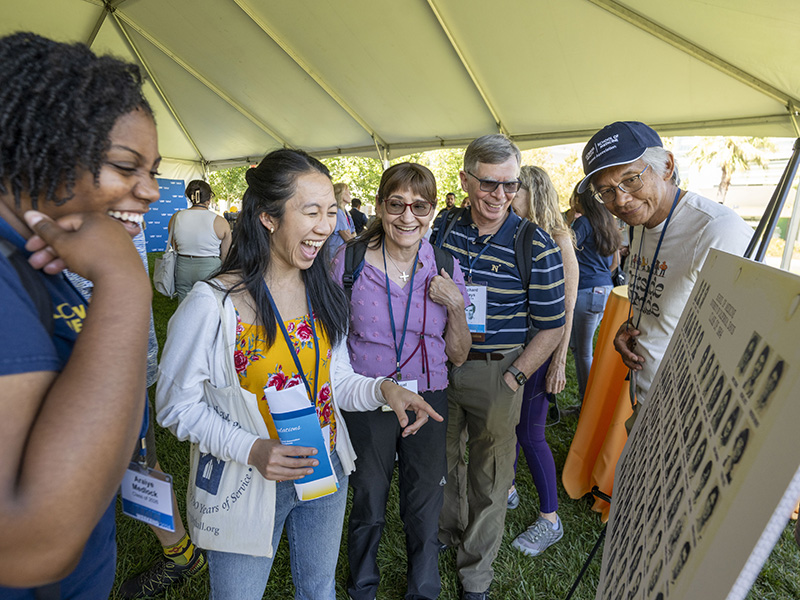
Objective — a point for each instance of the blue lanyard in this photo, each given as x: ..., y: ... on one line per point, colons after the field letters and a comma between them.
x: 291, y: 345
x: 13, y: 236
x: 398, y: 350
x: 653, y: 263
x: 472, y: 260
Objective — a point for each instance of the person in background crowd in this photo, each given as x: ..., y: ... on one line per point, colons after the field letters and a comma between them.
x: 399, y: 277
x: 537, y: 201
x: 269, y: 328
x: 485, y: 393
x: 449, y: 203
x: 359, y: 218
x: 630, y: 173
x: 78, y: 165
x: 344, y: 230
x: 201, y: 238
x: 597, y: 241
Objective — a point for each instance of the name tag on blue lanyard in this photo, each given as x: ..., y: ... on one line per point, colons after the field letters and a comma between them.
x: 147, y: 494
x: 410, y: 384
x: 477, y: 293
x: 476, y: 311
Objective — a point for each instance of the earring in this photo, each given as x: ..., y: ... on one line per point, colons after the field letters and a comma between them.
x: 271, y: 230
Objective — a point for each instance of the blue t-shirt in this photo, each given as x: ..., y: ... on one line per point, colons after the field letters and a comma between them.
x: 26, y: 347
x: 594, y: 270
x: 343, y: 223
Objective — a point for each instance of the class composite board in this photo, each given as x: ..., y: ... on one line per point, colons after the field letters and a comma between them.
x: 704, y: 484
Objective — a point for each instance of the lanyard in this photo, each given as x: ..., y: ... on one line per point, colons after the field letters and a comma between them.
x: 13, y: 236
x: 398, y: 350
x: 421, y: 343
x: 652, y: 263
x: 472, y: 260
x: 291, y: 345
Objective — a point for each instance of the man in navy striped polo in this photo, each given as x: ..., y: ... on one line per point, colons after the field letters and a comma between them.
x: 485, y: 393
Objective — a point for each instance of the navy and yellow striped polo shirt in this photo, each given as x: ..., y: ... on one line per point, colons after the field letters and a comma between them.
x: 508, y: 305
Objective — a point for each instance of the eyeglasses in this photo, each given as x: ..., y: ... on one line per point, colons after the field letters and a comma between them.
x: 419, y: 208
x: 488, y: 185
x: 629, y: 185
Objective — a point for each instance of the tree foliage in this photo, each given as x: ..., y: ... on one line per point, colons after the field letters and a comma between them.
x: 564, y: 172
x: 445, y: 164
x: 730, y: 154
x: 229, y: 185
x: 363, y: 174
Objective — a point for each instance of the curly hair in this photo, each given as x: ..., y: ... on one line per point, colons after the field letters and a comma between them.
x: 58, y: 104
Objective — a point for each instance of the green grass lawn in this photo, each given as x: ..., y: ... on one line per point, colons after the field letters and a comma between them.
x: 516, y: 576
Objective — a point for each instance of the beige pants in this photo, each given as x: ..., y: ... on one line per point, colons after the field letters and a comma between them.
x: 483, y: 414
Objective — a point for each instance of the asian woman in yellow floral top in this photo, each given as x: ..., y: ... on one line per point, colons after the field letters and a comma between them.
x: 271, y: 326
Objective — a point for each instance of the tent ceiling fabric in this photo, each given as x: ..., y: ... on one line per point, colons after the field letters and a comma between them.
x: 230, y: 80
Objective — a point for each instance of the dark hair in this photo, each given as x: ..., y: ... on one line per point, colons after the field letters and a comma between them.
x: 269, y: 187
x: 413, y: 176
x: 355, y: 202
x: 199, y: 192
x: 58, y: 104
x: 604, y: 229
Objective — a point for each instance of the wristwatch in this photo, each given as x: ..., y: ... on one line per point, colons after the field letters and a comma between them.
x: 517, y: 374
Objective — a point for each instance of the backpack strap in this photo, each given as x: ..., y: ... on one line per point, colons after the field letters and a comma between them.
x: 444, y: 260
x: 523, y: 240
x: 33, y: 284
x: 450, y: 219
x: 353, y: 265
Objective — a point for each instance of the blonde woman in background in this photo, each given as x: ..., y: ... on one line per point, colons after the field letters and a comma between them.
x: 537, y: 200
x: 201, y: 237
x: 344, y: 230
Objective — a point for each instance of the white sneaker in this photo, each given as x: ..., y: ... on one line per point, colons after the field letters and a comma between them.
x: 538, y: 537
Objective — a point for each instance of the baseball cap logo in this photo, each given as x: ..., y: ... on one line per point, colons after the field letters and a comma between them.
x: 613, y: 139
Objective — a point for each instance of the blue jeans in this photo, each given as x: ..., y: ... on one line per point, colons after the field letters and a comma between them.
x: 589, y: 307
x: 313, y: 529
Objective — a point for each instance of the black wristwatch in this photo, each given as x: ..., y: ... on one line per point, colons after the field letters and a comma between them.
x: 517, y: 374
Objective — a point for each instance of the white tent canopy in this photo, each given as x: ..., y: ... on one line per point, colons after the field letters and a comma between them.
x: 230, y: 80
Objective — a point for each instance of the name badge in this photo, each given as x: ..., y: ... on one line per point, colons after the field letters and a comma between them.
x: 409, y: 384
x: 147, y: 496
x: 476, y: 311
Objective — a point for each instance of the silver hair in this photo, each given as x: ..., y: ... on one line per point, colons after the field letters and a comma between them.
x: 490, y: 149
x: 657, y: 159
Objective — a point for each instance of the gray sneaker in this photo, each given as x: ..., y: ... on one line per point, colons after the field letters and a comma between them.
x: 538, y: 537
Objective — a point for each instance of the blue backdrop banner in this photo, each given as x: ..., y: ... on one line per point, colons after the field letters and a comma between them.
x: 172, y: 199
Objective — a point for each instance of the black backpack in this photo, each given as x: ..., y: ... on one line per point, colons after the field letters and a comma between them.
x: 523, y: 239
x: 354, y: 263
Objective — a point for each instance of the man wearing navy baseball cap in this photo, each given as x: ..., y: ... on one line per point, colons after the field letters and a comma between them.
x: 629, y: 171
